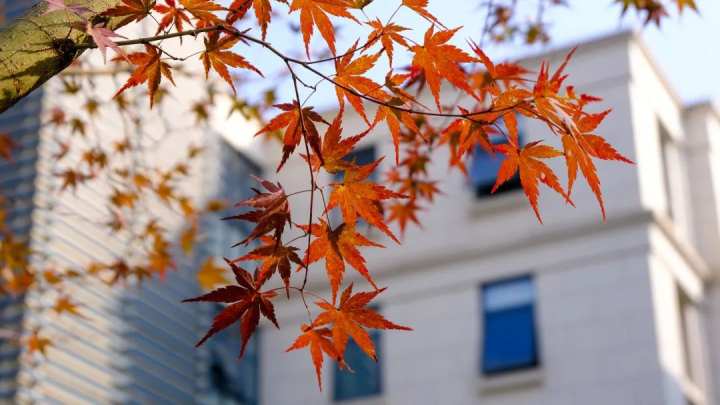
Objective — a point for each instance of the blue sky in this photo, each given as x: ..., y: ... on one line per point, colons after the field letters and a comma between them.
x: 685, y: 47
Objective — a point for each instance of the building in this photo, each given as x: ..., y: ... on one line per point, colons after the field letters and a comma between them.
x: 505, y: 310
x: 575, y: 311
x: 135, y: 344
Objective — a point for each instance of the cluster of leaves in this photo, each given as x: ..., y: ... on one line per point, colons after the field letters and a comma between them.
x: 491, y: 99
x: 655, y: 10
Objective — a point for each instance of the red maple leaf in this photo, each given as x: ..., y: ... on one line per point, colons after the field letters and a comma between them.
x: 246, y: 303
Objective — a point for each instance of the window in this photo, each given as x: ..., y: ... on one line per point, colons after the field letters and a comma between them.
x: 360, y: 156
x: 234, y: 381
x: 691, y: 336
x: 666, y: 145
x: 235, y: 182
x: 484, y: 168
x: 510, y: 338
x: 366, y: 378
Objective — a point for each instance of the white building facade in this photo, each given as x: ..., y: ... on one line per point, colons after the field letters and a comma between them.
x: 576, y: 311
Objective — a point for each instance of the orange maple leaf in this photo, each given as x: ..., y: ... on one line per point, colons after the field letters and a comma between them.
x: 463, y: 136
x: 489, y: 81
x: 388, y: 35
x: 131, y: 10
x: 218, y: 57
x: 349, y: 76
x: 403, y: 213
x: 64, y: 304
x: 298, y: 122
x: 263, y: 12
x: 37, y: 343
x: 203, y: 11
x: 173, y: 16
x: 211, y: 275
x: 149, y: 68
x: 358, y: 197
x: 351, y: 317
x: 246, y: 301
x: 527, y: 161
x: 314, y: 13
x: 319, y: 341
x: 335, y: 149
x: 437, y: 59
x: 338, y: 246
x: 420, y: 7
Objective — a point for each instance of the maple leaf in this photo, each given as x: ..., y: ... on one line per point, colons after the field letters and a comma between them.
x: 338, y: 246
x: 271, y: 213
x: 489, y: 80
x: 437, y: 59
x: 187, y: 238
x: 314, y: 13
x: 102, y: 36
x: 7, y: 144
x: 334, y: 148
x: 299, y: 122
x: 463, y: 136
x: 246, y: 303
x: 65, y: 305
x: 388, y: 35
x: 404, y: 213
x: 393, y: 118
x: 52, y: 277
x: 274, y: 257
x: 686, y: 3
x: 579, y: 149
x: 218, y: 57
x: 204, y: 11
x: 131, y: 10
x: 150, y: 69
x: 37, y: 343
x: 527, y: 161
x: 211, y: 275
x: 349, y: 77
x: 350, y: 318
x: 173, y: 16
x: 263, y: 12
x: 319, y: 341
x: 357, y: 197
x: 420, y: 7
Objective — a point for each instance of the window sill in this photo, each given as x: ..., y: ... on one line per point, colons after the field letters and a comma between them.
x: 497, y: 203
x: 490, y: 385
x: 376, y: 400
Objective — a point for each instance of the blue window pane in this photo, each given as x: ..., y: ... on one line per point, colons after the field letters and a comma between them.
x: 484, y: 168
x: 366, y: 378
x: 361, y: 156
x: 510, y: 338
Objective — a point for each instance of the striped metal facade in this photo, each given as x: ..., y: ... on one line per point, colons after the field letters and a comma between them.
x: 17, y: 179
x: 134, y: 345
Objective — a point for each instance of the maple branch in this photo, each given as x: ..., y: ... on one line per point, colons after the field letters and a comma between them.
x: 151, y: 39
